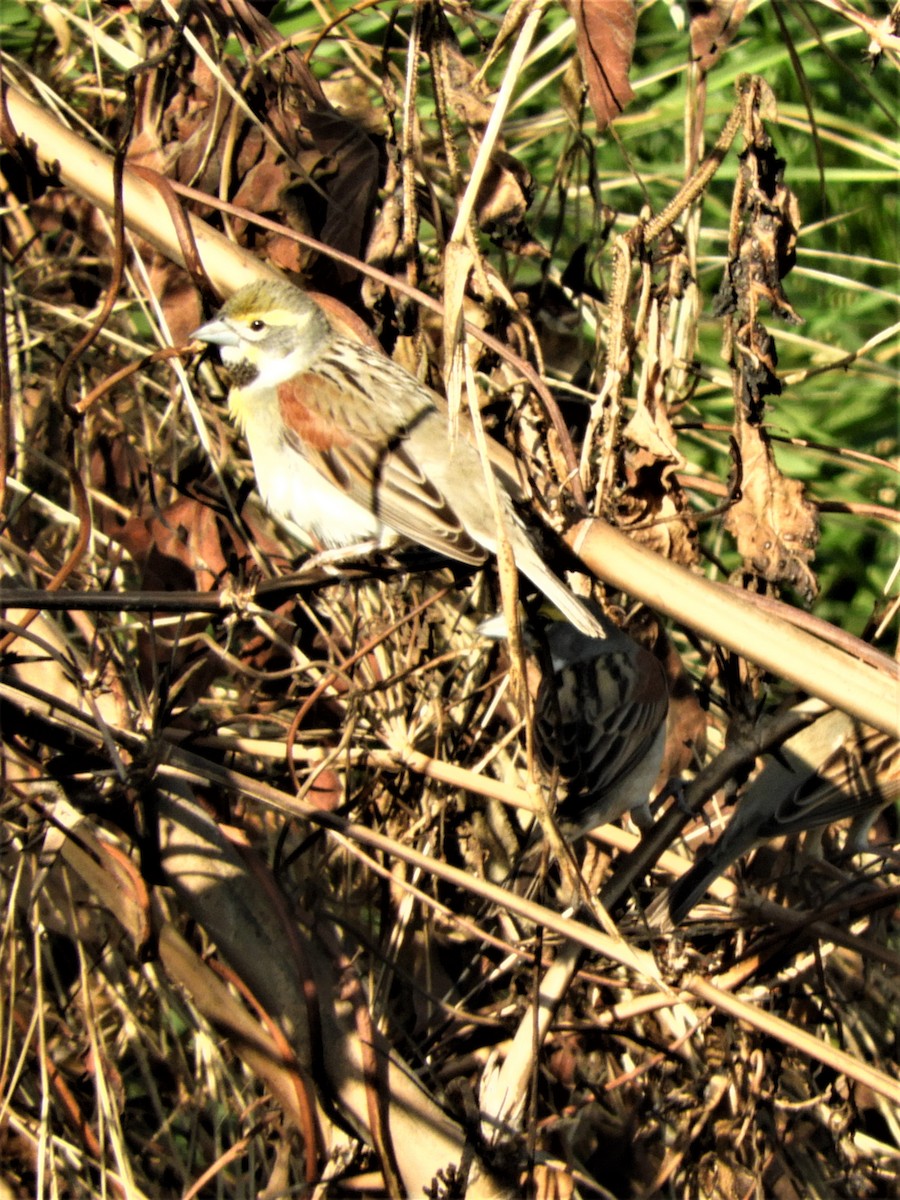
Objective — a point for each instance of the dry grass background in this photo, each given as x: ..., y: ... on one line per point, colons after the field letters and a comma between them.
x: 266, y: 928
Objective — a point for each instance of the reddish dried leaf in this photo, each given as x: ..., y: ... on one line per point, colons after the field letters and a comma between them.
x: 314, y: 168
x: 349, y: 181
x: 606, y: 34
x: 179, y: 548
x: 327, y: 791
x: 285, y: 253
x: 178, y: 298
x: 687, y: 720
x: 261, y: 188
x: 117, y: 466
x: 565, y: 1058
x: 189, y: 546
x: 713, y: 25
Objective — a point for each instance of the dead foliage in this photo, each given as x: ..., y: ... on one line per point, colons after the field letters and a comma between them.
x: 271, y: 915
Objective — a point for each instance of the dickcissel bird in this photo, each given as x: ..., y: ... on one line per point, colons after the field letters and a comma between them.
x: 834, y: 769
x: 348, y: 444
x: 600, y: 722
x: 599, y: 719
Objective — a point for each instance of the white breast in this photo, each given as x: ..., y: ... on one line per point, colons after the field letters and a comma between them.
x: 294, y: 490
x: 317, y: 506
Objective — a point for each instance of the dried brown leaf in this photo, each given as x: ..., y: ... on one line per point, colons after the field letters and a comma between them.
x: 651, y: 461
x: 261, y: 188
x: 605, y: 39
x: 505, y: 193
x: 713, y: 25
x: 466, y: 90
x: 686, y: 721
x: 775, y: 526
x: 300, y: 160
x: 178, y: 298
x: 183, y: 544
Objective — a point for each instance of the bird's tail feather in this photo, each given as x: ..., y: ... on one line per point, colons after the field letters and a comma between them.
x: 558, y: 593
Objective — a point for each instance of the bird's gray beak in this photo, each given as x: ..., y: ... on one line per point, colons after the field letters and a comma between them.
x: 217, y: 332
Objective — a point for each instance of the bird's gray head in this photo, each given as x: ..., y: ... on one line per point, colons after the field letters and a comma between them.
x: 267, y: 332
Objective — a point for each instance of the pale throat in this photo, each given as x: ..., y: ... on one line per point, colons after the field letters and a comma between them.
x: 270, y: 370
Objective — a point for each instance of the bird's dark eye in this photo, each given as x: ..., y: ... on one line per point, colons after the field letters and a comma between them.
x: 257, y: 326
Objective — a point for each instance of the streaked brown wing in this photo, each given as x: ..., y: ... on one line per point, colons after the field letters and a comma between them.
x: 856, y: 777
x: 362, y: 450
x: 589, y: 728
